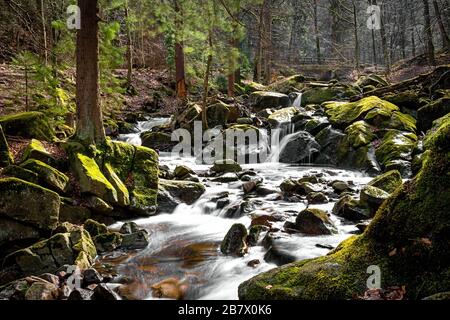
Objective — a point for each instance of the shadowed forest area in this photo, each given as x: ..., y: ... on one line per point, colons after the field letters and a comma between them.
x: 224, y: 150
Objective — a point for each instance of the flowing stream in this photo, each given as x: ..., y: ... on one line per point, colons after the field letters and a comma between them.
x: 185, y: 243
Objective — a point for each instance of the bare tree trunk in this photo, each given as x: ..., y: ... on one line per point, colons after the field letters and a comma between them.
x: 44, y: 32
x: 180, y: 72
x: 90, y: 120
x: 232, y: 65
x: 444, y: 35
x: 206, y: 83
x: 316, y: 31
x: 428, y: 33
x: 129, y: 47
x: 355, y: 24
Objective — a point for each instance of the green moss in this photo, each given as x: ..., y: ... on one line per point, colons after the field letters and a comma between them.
x: 50, y: 176
x: 91, y: 179
x: 320, y: 95
x: 388, y: 181
x: 95, y: 228
x: 342, y: 115
x: 82, y: 242
x: 360, y: 134
x: 122, y: 191
x: 28, y: 125
x: 21, y: 173
x: 288, y: 85
x: 36, y: 150
x: 29, y: 203
x: 396, y: 145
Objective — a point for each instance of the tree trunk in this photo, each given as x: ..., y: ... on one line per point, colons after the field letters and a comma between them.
x: 180, y: 72
x: 206, y: 84
x: 129, y: 47
x: 444, y: 35
x: 428, y: 33
x: 357, y: 50
x: 316, y: 31
x: 90, y: 120
x: 44, y: 32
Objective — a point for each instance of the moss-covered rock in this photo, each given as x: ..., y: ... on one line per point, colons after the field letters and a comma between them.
x: 433, y: 111
x: 396, y: 145
x: 50, y: 177
x: 91, y: 179
x: 388, y: 181
x: 226, y: 166
x: 36, y: 150
x: 342, y: 114
x: 95, y: 228
x: 157, y: 140
x: 172, y: 193
x: 29, y: 203
x: 21, y: 173
x: 123, y: 195
x: 49, y: 255
x: 73, y: 213
x: 289, y: 84
x: 408, y: 240
x: 12, y: 231
x: 372, y: 198
x: 320, y: 95
x: 28, y: 125
x: 262, y: 99
x: 109, y: 241
x: 218, y: 114
x: 351, y: 209
x: 6, y: 157
x: 234, y: 242
x: 314, y: 222
x: 282, y: 116
x: 360, y: 134
x: 372, y: 80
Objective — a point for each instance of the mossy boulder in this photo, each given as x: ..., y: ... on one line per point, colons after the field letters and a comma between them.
x: 29, y: 203
x: 36, y: 150
x: 218, y: 114
x: 6, y: 157
x: 388, y: 181
x: 433, y: 111
x: 49, y: 255
x: 408, y: 240
x: 12, y: 231
x: 21, y: 173
x: 289, y: 84
x: 314, y: 222
x: 76, y: 214
x: 108, y: 241
x: 372, y: 198
x: 157, y: 140
x: 251, y: 86
x: 396, y: 145
x: 319, y: 95
x: 282, y: 116
x: 226, y: 166
x: 91, y: 179
x: 372, y: 80
x: 350, y: 208
x: 28, y: 125
x: 186, y: 119
x: 123, y: 195
x: 50, y: 177
x: 360, y: 134
x: 95, y: 228
x: 172, y: 193
x: 263, y: 99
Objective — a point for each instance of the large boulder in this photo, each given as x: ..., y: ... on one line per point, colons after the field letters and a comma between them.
x: 432, y: 111
x: 262, y: 99
x: 226, y: 166
x: 6, y: 157
x: 234, y: 242
x: 282, y: 116
x: 320, y: 94
x: 28, y: 125
x: 314, y: 222
x: 49, y: 176
x: 301, y: 148
x: 91, y: 179
x: 396, y: 145
x: 29, y: 203
x: 389, y: 181
x: 36, y: 150
x: 47, y: 256
x: 172, y: 193
x: 157, y: 140
x: 407, y: 240
x: 372, y: 198
x: 218, y: 114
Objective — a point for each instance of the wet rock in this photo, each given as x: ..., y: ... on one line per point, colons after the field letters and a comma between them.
x: 431, y: 112
x: 42, y: 291
x: 81, y: 294
x: 172, y: 193
x: 329, y: 139
x: 282, y: 116
x: 95, y: 228
x: 388, y: 181
x: 226, y: 178
x: 349, y: 208
x: 395, y: 146
x: 182, y: 171
x: 103, y: 292
x: 262, y: 99
x: 108, y: 242
x: 317, y: 198
x: 226, y: 166
x: 136, y: 240
x: 314, y: 222
x: 222, y: 203
x: 248, y: 121
x: 129, y: 228
x: 91, y: 276
x: 301, y: 188
x: 362, y: 227
x: 278, y: 256
x: 157, y: 141
x: 324, y: 246
x: 29, y: 203
x: 340, y: 186
x: 254, y: 234
x: 301, y: 148
x: 319, y: 95
x: 254, y: 263
x: 372, y: 198
x: 234, y: 242
x: 171, y: 288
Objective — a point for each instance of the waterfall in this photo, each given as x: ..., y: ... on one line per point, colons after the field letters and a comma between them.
x: 298, y: 101
x: 280, y: 138
x: 142, y: 126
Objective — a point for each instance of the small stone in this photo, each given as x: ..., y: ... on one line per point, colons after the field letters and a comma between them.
x: 253, y: 263
x: 234, y: 242
x: 91, y: 276
x: 129, y: 228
